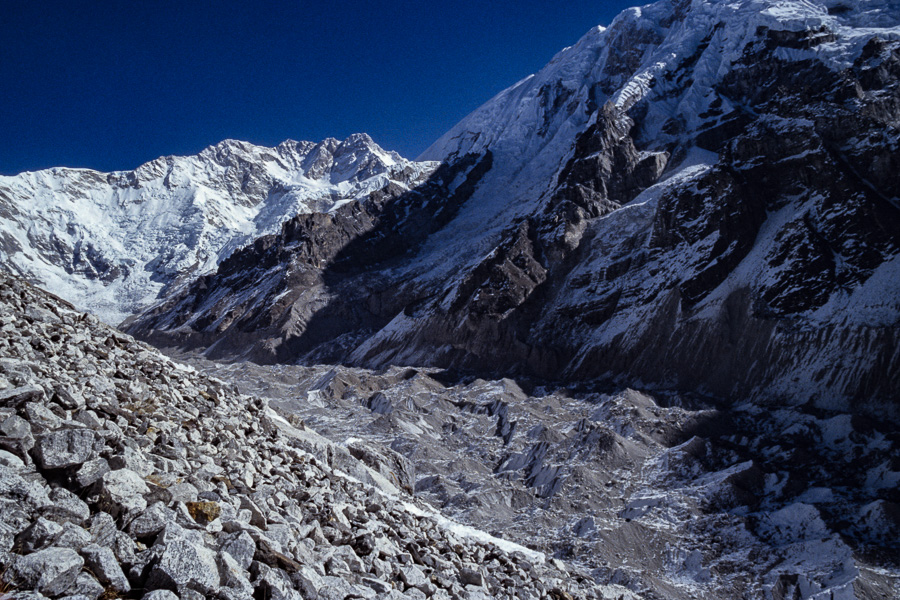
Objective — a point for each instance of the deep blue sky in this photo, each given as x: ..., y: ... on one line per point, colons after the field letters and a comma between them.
x: 112, y: 84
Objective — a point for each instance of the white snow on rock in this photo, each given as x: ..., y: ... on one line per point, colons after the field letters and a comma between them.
x: 632, y: 55
x: 111, y: 242
x: 532, y: 126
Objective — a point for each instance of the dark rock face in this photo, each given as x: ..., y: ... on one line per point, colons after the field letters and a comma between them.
x: 748, y: 256
x: 325, y: 260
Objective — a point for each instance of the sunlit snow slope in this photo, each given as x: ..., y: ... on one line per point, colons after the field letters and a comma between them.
x: 112, y: 242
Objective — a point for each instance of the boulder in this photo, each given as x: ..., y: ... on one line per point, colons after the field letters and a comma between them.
x: 39, y: 535
x: 64, y: 448
x: 102, y: 562
x: 160, y: 595
x: 50, y: 572
x: 91, y: 471
x: 151, y: 521
x: 86, y: 586
x: 184, y: 564
x: 15, y: 397
x: 122, y: 493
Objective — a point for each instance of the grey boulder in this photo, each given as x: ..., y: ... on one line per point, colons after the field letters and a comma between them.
x: 123, y: 492
x: 64, y: 448
x: 102, y: 562
x: 50, y: 572
x: 183, y: 564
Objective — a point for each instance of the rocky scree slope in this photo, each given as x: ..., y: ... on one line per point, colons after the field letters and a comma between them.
x: 701, y: 196
x: 114, y: 242
x: 671, y: 495
x: 123, y: 474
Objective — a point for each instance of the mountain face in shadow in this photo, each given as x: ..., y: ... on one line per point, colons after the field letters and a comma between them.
x: 702, y: 196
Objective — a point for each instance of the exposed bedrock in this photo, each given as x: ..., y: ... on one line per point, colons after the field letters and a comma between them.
x: 748, y: 251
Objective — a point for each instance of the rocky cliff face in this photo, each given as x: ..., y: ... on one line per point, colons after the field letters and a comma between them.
x: 701, y: 196
x: 115, y: 242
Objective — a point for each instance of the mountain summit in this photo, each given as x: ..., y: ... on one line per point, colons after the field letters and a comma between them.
x: 113, y: 242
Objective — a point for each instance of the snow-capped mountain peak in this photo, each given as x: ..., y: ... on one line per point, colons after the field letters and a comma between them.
x: 110, y: 242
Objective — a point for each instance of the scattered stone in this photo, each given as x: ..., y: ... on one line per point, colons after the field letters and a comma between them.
x: 123, y: 492
x: 67, y: 507
x: 160, y: 595
x: 91, y: 471
x: 10, y: 460
x: 412, y: 576
x: 132, y: 460
x: 379, y: 586
x: 16, y: 436
x: 204, y: 512
x: 68, y: 399
x: 151, y: 521
x: 87, y: 586
x: 241, y: 547
x: 16, y: 397
x: 184, y: 564
x: 73, y: 537
x: 39, y: 535
x: 103, y: 529
x: 182, y: 492
x: 471, y: 576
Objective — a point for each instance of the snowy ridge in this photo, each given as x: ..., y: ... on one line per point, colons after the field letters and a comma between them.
x: 628, y: 60
x: 111, y: 242
x: 645, y: 56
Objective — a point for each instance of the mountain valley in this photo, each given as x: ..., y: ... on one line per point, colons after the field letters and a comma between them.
x: 629, y: 330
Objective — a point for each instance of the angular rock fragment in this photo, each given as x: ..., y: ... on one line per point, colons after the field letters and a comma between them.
x: 39, y: 535
x: 122, y: 493
x: 91, y: 471
x: 68, y: 399
x: 151, y: 521
x: 66, y: 507
x: 65, y: 448
x: 204, y: 512
x: 51, y: 571
x: 102, y: 563
x: 103, y: 529
x: 471, y: 576
x: 184, y: 564
x: 160, y: 595
x: 16, y: 397
x: 240, y: 546
x: 85, y: 585
x: 16, y: 436
x: 73, y: 536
